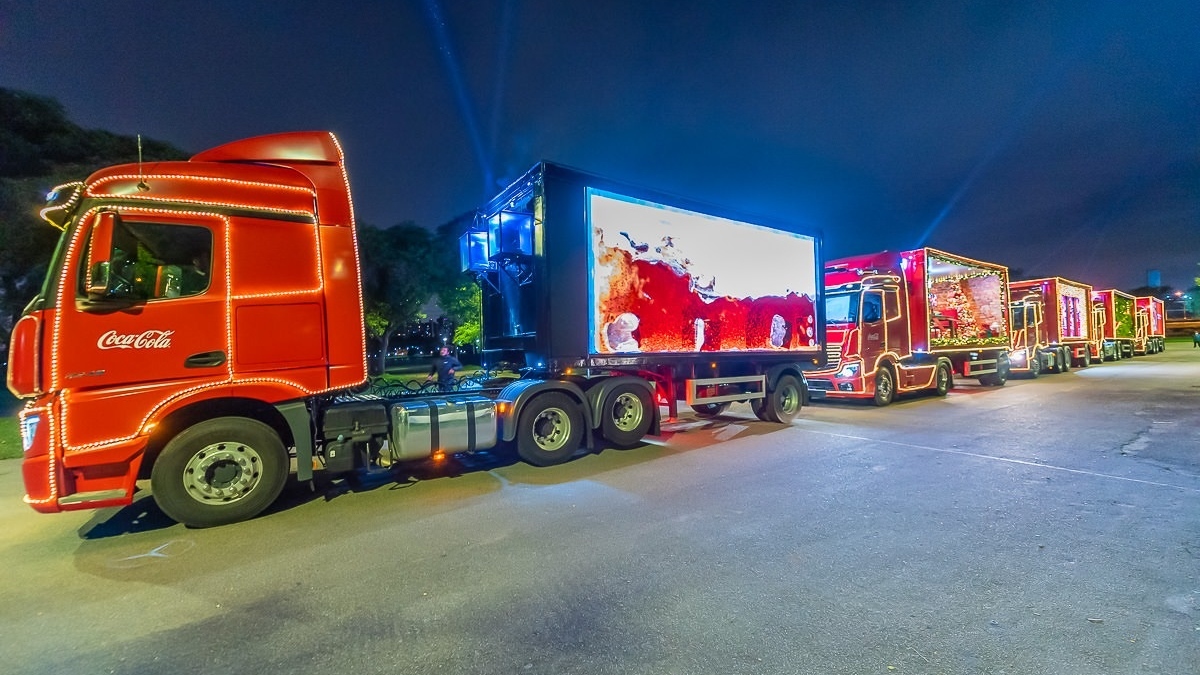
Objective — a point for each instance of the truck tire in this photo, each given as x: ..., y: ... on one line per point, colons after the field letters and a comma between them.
x: 1085, y: 360
x: 759, y: 407
x: 943, y: 379
x: 549, y: 429
x: 1066, y: 359
x: 783, y: 403
x: 1057, y: 367
x: 709, y: 410
x: 996, y: 379
x: 219, y: 471
x: 626, y: 415
x: 885, y: 386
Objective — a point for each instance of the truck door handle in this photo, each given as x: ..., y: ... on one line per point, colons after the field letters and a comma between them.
x: 205, y: 360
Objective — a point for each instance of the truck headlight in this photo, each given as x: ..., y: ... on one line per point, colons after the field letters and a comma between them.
x: 1017, y: 355
x: 29, y: 426
x: 849, y: 370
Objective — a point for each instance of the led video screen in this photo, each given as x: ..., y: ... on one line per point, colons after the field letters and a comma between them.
x: 667, y: 280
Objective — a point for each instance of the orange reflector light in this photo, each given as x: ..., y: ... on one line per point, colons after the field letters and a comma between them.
x: 438, y: 456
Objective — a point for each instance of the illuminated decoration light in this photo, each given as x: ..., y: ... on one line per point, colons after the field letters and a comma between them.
x: 146, y: 425
x: 143, y: 197
x: 362, y: 318
x: 66, y: 207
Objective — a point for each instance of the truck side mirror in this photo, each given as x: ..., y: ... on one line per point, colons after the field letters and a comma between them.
x: 100, y: 249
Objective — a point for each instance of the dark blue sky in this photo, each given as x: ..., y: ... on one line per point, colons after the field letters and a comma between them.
x: 1055, y: 137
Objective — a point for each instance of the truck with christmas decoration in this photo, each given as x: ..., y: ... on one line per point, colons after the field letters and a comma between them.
x: 201, y: 326
x: 1050, y: 325
x: 1114, y: 321
x: 912, y: 321
x: 1150, y: 336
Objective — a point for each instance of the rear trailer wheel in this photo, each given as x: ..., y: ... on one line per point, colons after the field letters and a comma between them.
x: 626, y: 415
x: 549, y: 429
x: 707, y: 410
x: 759, y: 407
x: 783, y: 403
x: 943, y: 380
x: 1066, y: 359
x: 219, y: 471
x: 1085, y: 360
x: 885, y: 386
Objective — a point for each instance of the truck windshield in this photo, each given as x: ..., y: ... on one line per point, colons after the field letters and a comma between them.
x: 841, y: 308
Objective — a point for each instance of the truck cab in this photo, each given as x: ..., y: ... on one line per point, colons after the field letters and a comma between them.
x: 225, y: 288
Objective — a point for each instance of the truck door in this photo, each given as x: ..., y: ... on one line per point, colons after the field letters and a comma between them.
x: 144, y: 323
x: 874, y: 328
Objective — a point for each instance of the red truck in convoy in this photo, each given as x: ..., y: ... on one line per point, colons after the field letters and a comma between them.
x: 1114, y: 319
x: 1150, y: 331
x: 1051, y: 321
x: 912, y: 321
x: 201, y: 325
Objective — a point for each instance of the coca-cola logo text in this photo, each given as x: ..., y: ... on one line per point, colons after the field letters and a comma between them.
x: 151, y: 339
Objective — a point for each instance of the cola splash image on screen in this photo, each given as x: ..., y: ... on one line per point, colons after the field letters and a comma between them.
x: 667, y: 280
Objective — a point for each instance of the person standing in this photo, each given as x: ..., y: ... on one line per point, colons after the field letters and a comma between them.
x: 1196, y: 339
x: 444, y: 367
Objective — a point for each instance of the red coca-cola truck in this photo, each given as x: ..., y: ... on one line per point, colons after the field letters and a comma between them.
x: 1051, y: 325
x: 201, y: 326
x: 912, y: 321
x: 1150, y: 330
x: 1114, y: 321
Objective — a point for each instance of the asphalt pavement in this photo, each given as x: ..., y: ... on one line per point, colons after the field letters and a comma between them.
x: 1048, y: 526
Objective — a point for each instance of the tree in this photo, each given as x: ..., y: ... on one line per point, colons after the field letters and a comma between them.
x: 396, y: 278
x: 39, y: 149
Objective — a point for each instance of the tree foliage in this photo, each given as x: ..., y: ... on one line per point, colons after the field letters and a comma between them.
x: 41, y: 148
x: 396, y: 277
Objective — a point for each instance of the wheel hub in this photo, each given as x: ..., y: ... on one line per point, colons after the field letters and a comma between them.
x: 551, y: 429
x: 222, y: 472
x: 627, y: 412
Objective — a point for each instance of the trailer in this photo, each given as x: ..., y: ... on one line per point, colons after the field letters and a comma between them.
x: 1051, y: 325
x: 912, y: 321
x: 202, y: 327
x: 1114, y: 322
x: 1150, y: 334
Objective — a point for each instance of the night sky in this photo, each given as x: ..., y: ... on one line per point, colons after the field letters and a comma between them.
x: 1059, y: 138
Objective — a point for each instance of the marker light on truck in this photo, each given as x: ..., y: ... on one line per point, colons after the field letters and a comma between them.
x: 29, y: 425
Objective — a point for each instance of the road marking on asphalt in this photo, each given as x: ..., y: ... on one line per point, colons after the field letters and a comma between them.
x: 1010, y: 460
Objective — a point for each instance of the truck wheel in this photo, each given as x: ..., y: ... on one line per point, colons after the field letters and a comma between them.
x: 944, y: 380
x: 1035, y: 365
x: 1066, y: 359
x: 219, y: 471
x: 885, y: 386
x: 549, y: 430
x: 1085, y: 360
x: 783, y: 403
x: 1057, y: 367
x: 759, y: 407
x: 627, y: 415
x: 708, y: 410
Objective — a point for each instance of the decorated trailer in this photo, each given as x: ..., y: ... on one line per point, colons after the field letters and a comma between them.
x: 156, y: 348
x: 1114, y: 325
x: 1150, y: 331
x: 912, y: 321
x: 1051, y: 325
